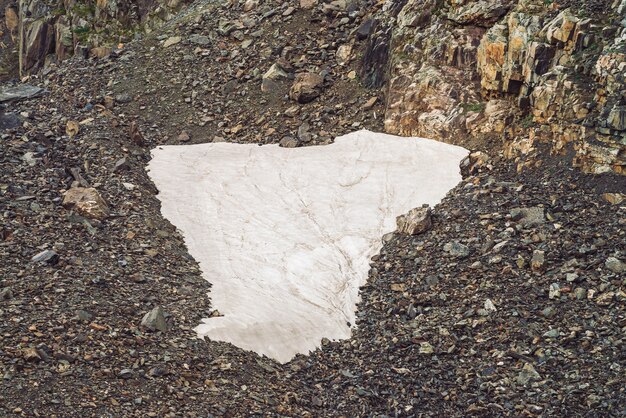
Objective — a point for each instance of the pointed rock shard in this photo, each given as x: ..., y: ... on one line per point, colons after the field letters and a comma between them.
x: 527, y: 374
x: 155, y: 320
x: 171, y: 41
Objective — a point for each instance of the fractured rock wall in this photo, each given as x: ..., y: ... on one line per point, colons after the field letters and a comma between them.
x: 40, y: 32
x: 523, y: 72
x: 9, y: 23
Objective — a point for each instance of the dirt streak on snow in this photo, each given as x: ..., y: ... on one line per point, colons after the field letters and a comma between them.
x: 285, y: 235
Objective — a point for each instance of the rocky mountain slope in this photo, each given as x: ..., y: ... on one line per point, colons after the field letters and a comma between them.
x: 512, y: 303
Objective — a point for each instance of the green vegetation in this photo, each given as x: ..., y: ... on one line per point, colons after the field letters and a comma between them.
x: 473, y: 107
x: 83, y: 10
x: 58, y: 12
x: 527, y: 122
x: 82, y: 32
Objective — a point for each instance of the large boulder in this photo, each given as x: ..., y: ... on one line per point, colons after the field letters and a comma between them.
x: 87, y: 202
x: 417, y: 221
x: 306, y: 88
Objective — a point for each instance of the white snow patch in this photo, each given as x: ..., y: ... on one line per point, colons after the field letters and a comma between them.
x: 285, y: 235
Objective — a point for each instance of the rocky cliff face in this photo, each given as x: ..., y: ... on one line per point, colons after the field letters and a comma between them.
x: 36, y: 32
x: 526, y: 73
x: 522, y: 74
x: 8, y: 35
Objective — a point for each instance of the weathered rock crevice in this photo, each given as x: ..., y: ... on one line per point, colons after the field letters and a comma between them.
x: 522, y: 73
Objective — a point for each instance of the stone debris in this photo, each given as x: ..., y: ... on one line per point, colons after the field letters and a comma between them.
x: 539, y: 89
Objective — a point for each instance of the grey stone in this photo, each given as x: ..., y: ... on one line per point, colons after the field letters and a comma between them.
x: 288, y: 142
x: 6, y: 294
x: 84, y: 315
x: 46, y: 257
x: 121, y: 165
x: 555, y: 291
x: 615, y: 265
x: 9, y: 120
x: 123, y: 98
x: 155, y: 320
x: 548, y: 312
x: 199, y: 40
x: 528, y: 216
x: 303, y: 133
x: 456, y: 249
x: 20, y: 92
x: 527, y: 374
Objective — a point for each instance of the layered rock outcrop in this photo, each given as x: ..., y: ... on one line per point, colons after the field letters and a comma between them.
x: 524, y: 72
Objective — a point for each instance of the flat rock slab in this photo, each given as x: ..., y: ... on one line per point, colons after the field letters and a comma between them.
x: 9, y: 120
x: 285, y: 235
x: 19, y: 92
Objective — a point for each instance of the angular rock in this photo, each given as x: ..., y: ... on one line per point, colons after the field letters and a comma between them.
x: 9, y: 120
x: 473, y: 163
x: 37, y: 41
x: 121, y: 165
x: 417, y: 221
x: 615, y: 265
x: 538, y: 260
x: 306, y: 88
x: 614, y: 198
x: 31, y: 354
x: 275, y: 72
x: 308, y: 4
x: 303, y: 133
x: 456, y: 249
x: 171, y: 41
x: 617, y: 118
x: 155, y: 320
x: 184, y: 136
x: 370, y: 103
x: 288, y: 142
x: 199, y: 40
x: 87, y: 202
x: 527, y: 374
x: 561, y: 28
x: 20, y: 92
x: 46, y: 257
x: 528, y: 217
x: 480, y: 13
x: 343, y: 54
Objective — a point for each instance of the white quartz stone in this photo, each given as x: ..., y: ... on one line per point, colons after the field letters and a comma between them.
x: 285, y: 235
